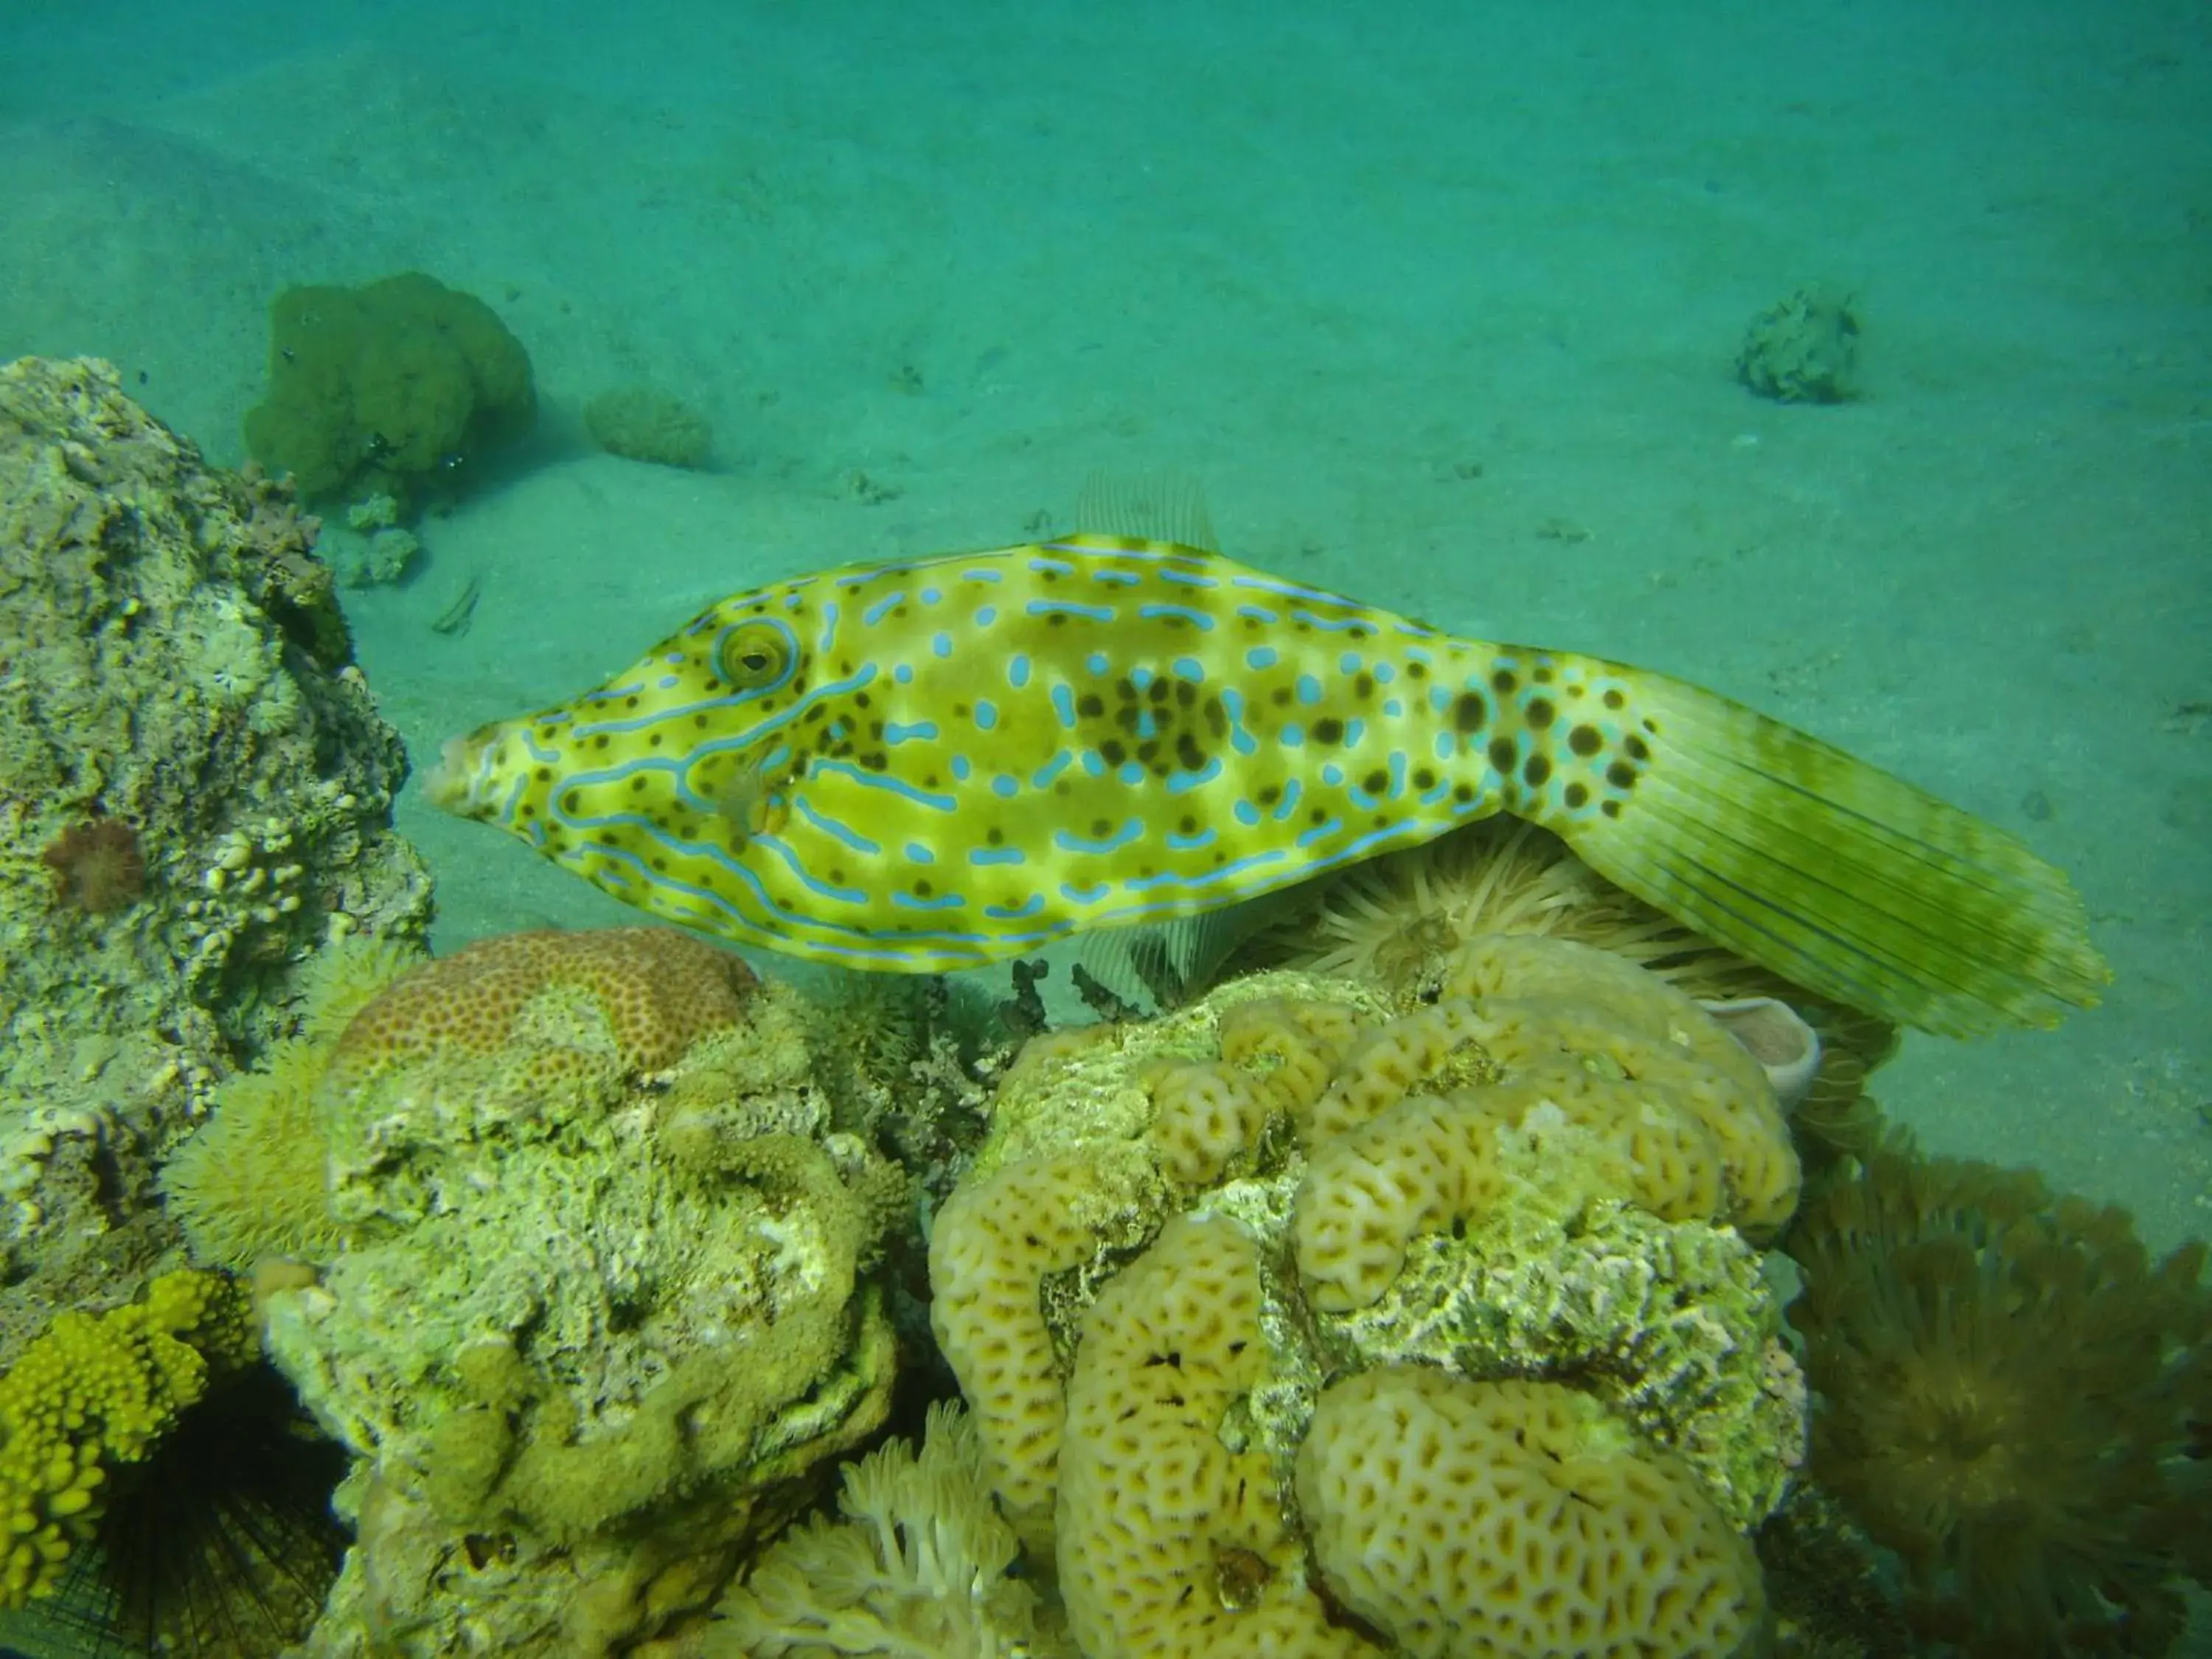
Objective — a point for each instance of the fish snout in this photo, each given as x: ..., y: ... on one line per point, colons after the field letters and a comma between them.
x: 461, y: 781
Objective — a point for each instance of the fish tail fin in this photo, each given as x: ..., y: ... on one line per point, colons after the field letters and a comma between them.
x: 1837, y: 875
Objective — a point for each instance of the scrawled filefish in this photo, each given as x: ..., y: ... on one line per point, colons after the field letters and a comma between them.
x: 933, y: 763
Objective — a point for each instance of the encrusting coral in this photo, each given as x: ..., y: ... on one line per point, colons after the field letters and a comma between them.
x: 1535, y: 1162
x: 918, y: 1568
x: 2014, y: 1400
x: 97, y: 1391
x: 601, y: 1291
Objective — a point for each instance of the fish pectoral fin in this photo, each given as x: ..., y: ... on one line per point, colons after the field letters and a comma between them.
x: 1168, y: 507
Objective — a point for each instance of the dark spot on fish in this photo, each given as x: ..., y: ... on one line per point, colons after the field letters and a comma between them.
x: 545, y: 774
x: 1585, y: 741
x: 1363, y: 686
x: 922, y: 890
x: 1319, y: 815
x: 636, y: 784
x: 629, y: 702
x: 601, y: 741
x: 1374, y: 783
x: 1056, y: 619
x: 1089, y: 705
x: 653, y: 740
x: 1186, y: 825
x: 1637, y: 749
x: 1416, y: 670
x: 1462, y: 792
x: 1469, y: 711
x: 1423, y: 779
x: 816, y: 712
x: 1614, y: 700
x: 1269, y: 795
x: 1328, y: 729
x: 1504, y: 681
x: 1503, y: 752
x: 875, y: 728
x: 1217, y: 718
x: 1189, y: 755
x: 1578, y: 797
x: 569, y: 800
x: 1621, y: 776
x: 1186, y: 694
x: 1542, y: 674
x: 1112, y: 752
x: 837, y: 873
x: 860, y: 700
x: 995, y: 836
x: 1148, y: 751
x: 875, y: 760
x: 1542, y: 712
x: 1610, y: 808
x: 528, y: 810
x: 1280, y: 697
x: 700, y: 721
x: 1536, y: 771
x: 660, y: 864
x: 1157, y: 691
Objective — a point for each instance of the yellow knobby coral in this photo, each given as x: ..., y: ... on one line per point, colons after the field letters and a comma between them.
x: 96, y: 1390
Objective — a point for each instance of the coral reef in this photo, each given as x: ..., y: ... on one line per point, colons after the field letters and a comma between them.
x: 2013, y: 1400
x: 920, y: 1566
x: 96, y: 1391
x: 195, y: 794
x: 395, y: 388
x: 1537, y: 1163
x: 602, y: 1297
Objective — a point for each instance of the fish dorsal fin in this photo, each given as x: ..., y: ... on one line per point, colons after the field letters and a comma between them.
x: 1168, y: 507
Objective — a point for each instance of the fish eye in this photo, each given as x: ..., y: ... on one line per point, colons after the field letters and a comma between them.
x: 753, y: 654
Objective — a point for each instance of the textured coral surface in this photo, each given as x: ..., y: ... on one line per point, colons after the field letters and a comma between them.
x: 175, y: 671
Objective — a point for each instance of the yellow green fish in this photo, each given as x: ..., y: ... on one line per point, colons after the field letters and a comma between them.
x: 933, y: 763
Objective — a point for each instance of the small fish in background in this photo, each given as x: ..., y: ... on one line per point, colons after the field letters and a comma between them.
x: 930, y: 764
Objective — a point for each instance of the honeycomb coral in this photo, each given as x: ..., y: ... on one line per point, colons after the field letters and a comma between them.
x: 1535, y: 1166
x: 94, y: 1391
x: 996, y: 1243
x: 660, y: 991
x: 1172, y: 1543
x: 1516, y: 1518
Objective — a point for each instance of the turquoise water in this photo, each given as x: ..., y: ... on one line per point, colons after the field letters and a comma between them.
x: 1440, y: 302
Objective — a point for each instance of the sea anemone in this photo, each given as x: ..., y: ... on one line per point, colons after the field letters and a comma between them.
x: 2011, y: 1398
x: 97, y: 865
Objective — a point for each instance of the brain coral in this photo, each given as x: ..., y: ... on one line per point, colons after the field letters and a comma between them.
x: 1539, y: 1162
x: 602, y: 1292
x: 1514, y: 1517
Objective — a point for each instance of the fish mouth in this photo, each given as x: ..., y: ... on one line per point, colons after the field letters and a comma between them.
x: 460, y: 782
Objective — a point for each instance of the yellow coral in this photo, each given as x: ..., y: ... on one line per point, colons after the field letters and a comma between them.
x: 1171, y: 1542
x: 97, y: 1390
x: 1516, y: 1518
x: 658, y: 990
